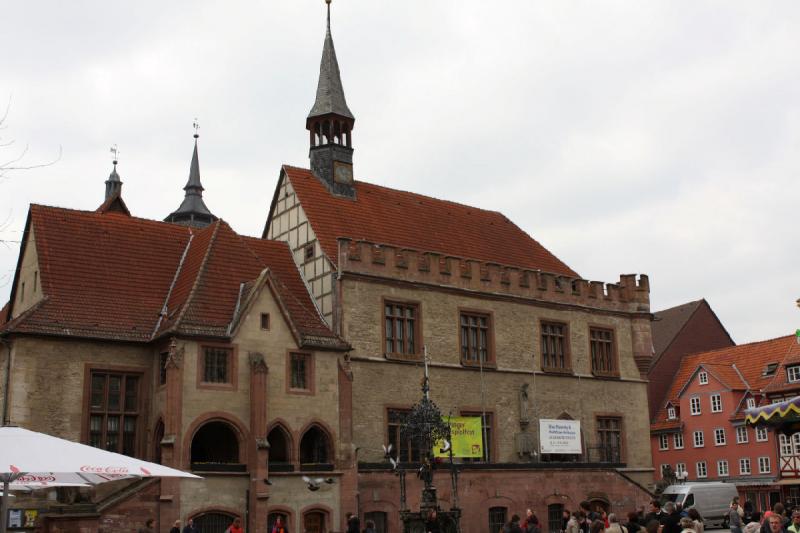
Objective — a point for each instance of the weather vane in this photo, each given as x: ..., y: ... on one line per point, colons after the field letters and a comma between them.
x: 196, y: 126
x: 114, y: 150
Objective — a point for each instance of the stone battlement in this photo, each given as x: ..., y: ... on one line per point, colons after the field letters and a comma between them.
x: 630, y: 294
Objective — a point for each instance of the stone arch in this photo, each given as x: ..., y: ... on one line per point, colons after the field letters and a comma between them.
x: 287, y: 512
x: 239, y: 431
x: 316, y: 444
x: 324, y: 510
x: 281, y: 445
x: 215, y: 511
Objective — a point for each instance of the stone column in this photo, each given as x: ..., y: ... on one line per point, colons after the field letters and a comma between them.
x: 170, y: 496
x: 259, y: 448
x: 347, y: 462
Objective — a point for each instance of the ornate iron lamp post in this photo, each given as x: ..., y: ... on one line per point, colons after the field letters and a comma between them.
x: 424, y: 428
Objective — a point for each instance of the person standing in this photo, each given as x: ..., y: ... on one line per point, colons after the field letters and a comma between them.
x: 794, y: 527
x: 633, y: 522
x: 670, y: 519
x: 190, y: 527
x: 511, y: 527
x: 278, y: 527
x: 734, y: 520
x: 369, y: 527
x: 776, y: 524
x: 614, y: 526
x: 655, y: 512
x: 236, y: 527
x: 531, y: 524
x: 176, y: 527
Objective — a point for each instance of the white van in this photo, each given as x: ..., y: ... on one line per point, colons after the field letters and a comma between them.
x: 711, y: 499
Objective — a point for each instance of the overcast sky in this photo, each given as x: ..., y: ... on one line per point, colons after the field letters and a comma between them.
x: 649, y: 137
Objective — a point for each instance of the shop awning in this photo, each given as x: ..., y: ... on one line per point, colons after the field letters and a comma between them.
x: 775, y: 414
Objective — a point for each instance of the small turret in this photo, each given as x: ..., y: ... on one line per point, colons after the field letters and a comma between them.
x: 193, y: 210
x: 113, y: 183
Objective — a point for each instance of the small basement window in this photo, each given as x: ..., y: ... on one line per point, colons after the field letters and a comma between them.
x: 770, y: 369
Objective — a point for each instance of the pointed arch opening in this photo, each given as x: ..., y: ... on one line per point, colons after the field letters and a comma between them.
x: 316, y: 451
x: 215, y: 448
x: 280, y: 449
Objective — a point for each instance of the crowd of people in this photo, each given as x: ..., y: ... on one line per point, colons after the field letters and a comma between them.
x: 667, y: 519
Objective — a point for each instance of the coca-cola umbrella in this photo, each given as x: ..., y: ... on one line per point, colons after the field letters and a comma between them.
x: 40, y: 460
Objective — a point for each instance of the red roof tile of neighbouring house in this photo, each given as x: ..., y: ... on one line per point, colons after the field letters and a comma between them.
x: 737, y: 367
x: 109, y: 275
x: 4, y: 313
x: 389, y: 216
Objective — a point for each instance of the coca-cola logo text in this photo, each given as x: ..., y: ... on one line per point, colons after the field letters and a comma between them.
x: 121, y: 470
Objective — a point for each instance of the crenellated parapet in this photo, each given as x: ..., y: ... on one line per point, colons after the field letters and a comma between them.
x: 631, y: 294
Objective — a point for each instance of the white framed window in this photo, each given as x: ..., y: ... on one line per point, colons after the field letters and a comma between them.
x: 786, y: 444
x: 793, y: 373
x: 677, y: 441
x: 694, y: 405
x: 761, y: 434
x: 716, y: 403
x: 680, y: 468
x: 663, y: 442
x: 763, y: 465
x: 751, y: 402
x: 741, y: 435
x: 796, y: 444
x: 702, y: 378
x: 699, y: 439
x: 744, y: 466
x: 702, y: 469
x: 719, y: 437
x: 671, y: 413
x: 722, y: 468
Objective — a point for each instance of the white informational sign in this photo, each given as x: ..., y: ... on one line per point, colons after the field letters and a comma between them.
x: 560, y: 436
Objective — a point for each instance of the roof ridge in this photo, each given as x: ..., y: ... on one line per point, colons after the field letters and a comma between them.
x: 97, y: 213
x: 737, y: 346
x: 200, y: 273
x: 164, y: 306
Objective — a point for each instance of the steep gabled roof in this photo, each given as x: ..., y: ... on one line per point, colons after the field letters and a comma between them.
x: 111, y: 276
x: 669, y: 322
x: 389, y: 216
x: 737, y: 367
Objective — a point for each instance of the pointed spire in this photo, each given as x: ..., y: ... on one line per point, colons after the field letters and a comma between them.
x: 113, y: 183
x: 330, y: 93
x: 193, y: 210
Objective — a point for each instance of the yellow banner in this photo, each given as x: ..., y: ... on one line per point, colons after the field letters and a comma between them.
x: 465, y: 433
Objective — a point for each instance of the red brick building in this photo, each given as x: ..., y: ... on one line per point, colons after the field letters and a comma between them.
x: 688, y: 328
x: 699, y: 428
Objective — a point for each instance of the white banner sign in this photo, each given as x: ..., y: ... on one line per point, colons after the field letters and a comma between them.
x: 560, y: 436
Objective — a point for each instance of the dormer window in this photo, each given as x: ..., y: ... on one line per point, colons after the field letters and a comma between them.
x: 770, y: 369
x: 671, y: 413
x: 793, y: 373
x: 702, y: 378
x: 751, y: 403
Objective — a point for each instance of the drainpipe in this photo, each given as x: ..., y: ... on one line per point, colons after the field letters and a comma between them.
x: 7, y: 381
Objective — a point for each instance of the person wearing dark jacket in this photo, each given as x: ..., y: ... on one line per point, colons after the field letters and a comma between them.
x: 513, y: 525
x: 671, y: 519
x: 632, y: 524
x: 655, y: 512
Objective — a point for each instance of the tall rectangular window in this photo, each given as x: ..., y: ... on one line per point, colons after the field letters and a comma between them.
x: 680, y: 468
x: 741, y: 435
x: 744, y: 466
x: 751, y: 402
x: 719, y: 437
x: 793, y: 373
x: 486, y: 436
x: 300, y: 371
x: 555, y: 346
x: 694, y: 405
x: 114, y: 411
x: 763, y: 465
x: 702, y: 377
x: 475, y: 338
x: 216, y: 365
x: 497, y: 518
x: 678, y: 441
x: 722, y: 468
x: 609, y: 439
x: 716, y: 403
x: 601, y: 346
x: 407, y: 452
x: 162, y: 367
x: 761, y: 434
x: 400, y: 331
x: 671, y: 413
x: 699, y: 439
x: 663, y: 442
x: 702, y: 469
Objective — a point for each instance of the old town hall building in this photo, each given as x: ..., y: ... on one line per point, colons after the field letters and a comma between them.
x: 256, y: 361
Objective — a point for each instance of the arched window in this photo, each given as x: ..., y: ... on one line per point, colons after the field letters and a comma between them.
x: 497, y: 518
x: 314, y: 522
x: 280, y: 450
x: 215, y: 448
x: 315, y: 450
x: 214, y: 521
x: 555, y: 516
x: 272, y: 518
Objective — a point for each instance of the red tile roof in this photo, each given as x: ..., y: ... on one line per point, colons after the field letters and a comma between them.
x: 389, y: 216
x: 108, y: 275
x: 738, y: 367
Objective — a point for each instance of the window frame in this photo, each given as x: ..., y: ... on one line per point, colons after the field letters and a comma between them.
x: 663, y: 442
x: 620, y: 429
x: 406, y: 410
x: 490, y: 361
x: 140, y: 444
x: 750, y: 403
x: 718, y: 407
x: 567, y: 368
x: 767, y: 462
x: 749, y: 463
x: 614, y: 355
x: 702, y: 377
x: 695, y: 440
x: 680, y: 467
x: 233, y: 356
x: 697, y: 466
x: 310, y: 373
x: 762, y: 431
x: 675, y: 438
x: 671, y: 413
x: 265, y: 322
x: 418, y: 351
x: 723, y: 462
x: 742, y: 436
x: 789, y: 372
x: 694, y: 401
x: 720, y: 432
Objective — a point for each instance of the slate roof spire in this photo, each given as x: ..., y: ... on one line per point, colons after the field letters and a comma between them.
x: 193, y: 210
x: 113, y: 183
x: 330, y: 125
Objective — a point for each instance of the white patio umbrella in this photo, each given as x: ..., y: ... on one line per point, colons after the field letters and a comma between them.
x: 38, y: 459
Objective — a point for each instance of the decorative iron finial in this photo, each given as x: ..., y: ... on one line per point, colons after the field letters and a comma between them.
x: 196, y: 126
x: 329, y: 14
x: 115, y: 158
